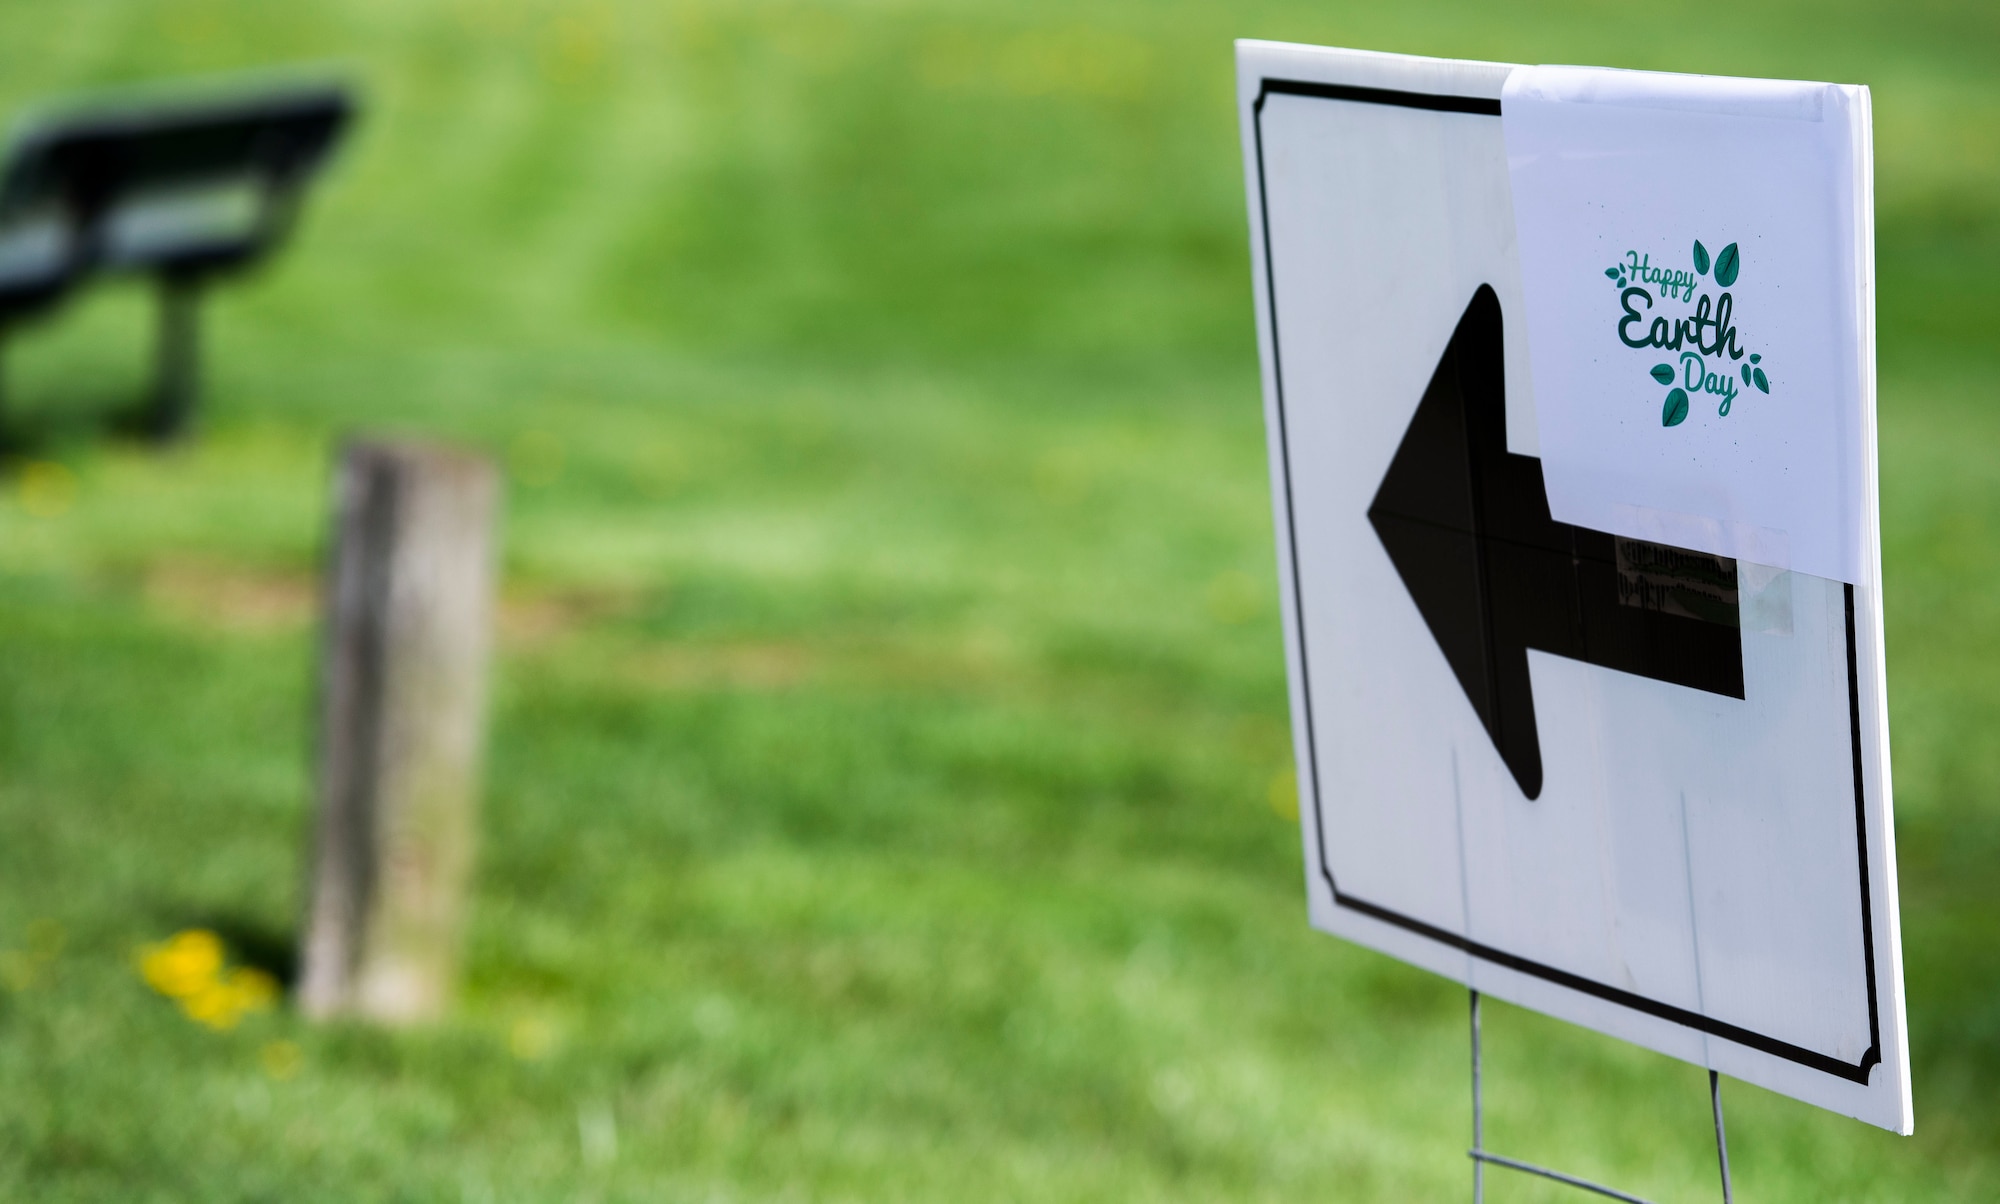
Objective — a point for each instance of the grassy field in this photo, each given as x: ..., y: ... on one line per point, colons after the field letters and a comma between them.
x: 887, y: 796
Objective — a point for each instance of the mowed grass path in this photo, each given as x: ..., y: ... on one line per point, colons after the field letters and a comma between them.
x: 887, y: 793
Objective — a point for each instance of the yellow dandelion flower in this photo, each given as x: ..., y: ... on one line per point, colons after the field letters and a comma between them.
x: 47, y: 489
x: 184, y: 964
x: 1283, y: 795
x: 254, y: 989
x: 189, y: 967
x: 281, y: 1059
x: 214, y: 1005
x: 531, y: 1039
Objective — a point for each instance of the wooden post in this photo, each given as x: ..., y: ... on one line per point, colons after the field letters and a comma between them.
x: 408, y: 626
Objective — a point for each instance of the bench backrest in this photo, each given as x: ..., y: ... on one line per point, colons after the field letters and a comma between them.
x: 181, y: 188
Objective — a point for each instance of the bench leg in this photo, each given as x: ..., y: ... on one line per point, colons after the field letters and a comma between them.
x: 178, y: 360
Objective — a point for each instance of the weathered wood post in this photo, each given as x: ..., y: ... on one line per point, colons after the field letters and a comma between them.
x: 402, y: 714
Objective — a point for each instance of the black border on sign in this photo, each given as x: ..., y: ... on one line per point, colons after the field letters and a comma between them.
x: 1857, y: 1072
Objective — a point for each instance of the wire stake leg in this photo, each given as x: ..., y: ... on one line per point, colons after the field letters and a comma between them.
x: 1721, y: 1138
x: 1478, y: 1115
x: 1480, y: 1155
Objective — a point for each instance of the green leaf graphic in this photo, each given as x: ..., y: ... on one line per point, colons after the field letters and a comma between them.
x: 1746, y: 374
x: 1675, y: 411
x: 1755, y: 358
x: 1663, y: 373
x: 1611, y: 272
x: 1727, y: 265
x: 1763, y: 386
x: 1700, y: 257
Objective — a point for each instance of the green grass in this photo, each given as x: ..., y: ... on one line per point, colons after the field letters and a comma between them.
x: 890, y: 692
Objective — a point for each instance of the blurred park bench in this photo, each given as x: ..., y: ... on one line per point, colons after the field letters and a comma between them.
x: 186, y: 191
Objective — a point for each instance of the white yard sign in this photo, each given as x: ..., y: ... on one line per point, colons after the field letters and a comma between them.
x: 1638, y: 787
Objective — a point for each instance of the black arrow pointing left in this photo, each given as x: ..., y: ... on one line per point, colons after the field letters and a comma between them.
x: 1467, y: 524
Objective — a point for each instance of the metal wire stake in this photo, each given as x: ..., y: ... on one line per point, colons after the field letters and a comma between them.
x: 1721, y: 1138
x: 1480, y: 1155
x: 1478, y: 1117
